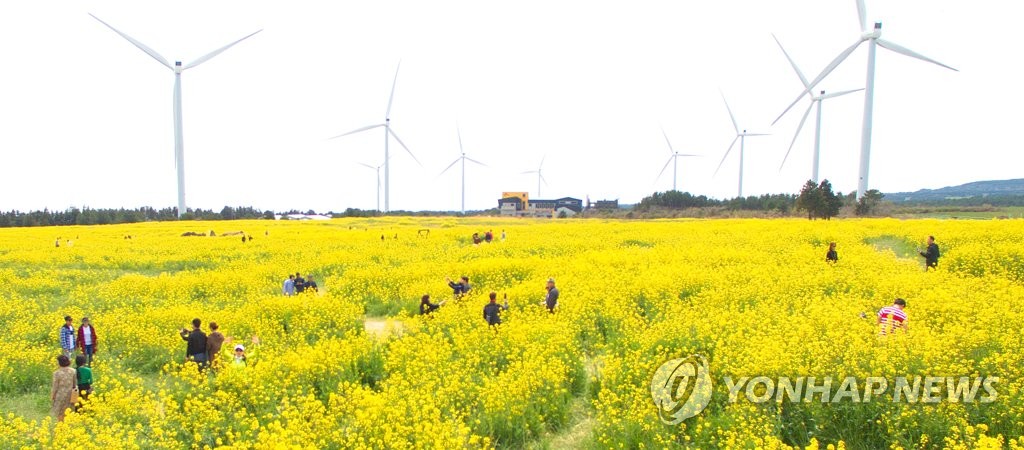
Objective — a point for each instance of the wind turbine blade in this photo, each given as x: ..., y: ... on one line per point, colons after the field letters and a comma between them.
x: 545, y: 180
x: 357, y: 130
x: 824, y: 73
x: 459, y: 132
x: 528, y: 172
x: 756, y: 134
x: 862, y: 14
x: 727, y: 153
x: 797, y: 134
x: 216, y: 52
x: 160, y: 59
x: 449, y: 166
x: 733, y: 118
x: 403, y: 146
x: 840, y: 93
x: 541, y: 166
x: 367, y: 166
x: 800, y: 74
x: 670, y: 149
x: 387, y: 115
x: 906, y: 51
x: 670, y: 158
x: 475, y: 161
x: 687, y: 154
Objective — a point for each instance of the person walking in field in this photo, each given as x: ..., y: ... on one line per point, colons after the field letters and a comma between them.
x: 892, y: 318
x: 832, y: 256
x: 214, y: 341
x: 300, y: 283
x: 87, y: 339
x: 289, y: 286
x: 196, y: 349
x: 426, y: 307
x: 551, y: 300
x: 64, y: 389
x: 492, y: 310
x: 83, y: 374
x: 67, y: 338
x: 931, y: 254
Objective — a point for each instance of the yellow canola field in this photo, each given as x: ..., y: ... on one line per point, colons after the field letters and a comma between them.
x: 754, y: 297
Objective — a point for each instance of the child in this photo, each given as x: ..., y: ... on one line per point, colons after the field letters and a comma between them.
x: 84, y: 375
x: 239, y: 360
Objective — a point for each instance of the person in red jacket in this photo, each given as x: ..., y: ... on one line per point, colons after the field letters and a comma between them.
x: 87, y: 340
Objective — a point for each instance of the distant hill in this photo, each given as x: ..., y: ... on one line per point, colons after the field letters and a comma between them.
x: 975, y: 190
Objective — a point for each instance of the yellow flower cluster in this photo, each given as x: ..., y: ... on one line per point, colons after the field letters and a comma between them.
x: 754, y: 297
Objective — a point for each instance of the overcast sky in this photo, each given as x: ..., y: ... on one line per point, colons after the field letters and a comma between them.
x: 86, y: 118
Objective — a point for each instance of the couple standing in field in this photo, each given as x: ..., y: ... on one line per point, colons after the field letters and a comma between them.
x: 204, y: 349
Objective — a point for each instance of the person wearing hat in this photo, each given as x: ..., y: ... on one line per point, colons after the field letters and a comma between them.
x: 87, y: 340
x: 551, y: 300
x: 239, y: 359
x: 68, y: 343
x: 892, y: 318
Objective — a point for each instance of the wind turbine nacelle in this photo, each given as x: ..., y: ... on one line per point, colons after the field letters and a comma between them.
x: 177, y: 67
x: 873, y: 34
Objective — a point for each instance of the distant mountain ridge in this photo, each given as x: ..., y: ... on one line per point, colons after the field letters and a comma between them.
x: 976, y: 189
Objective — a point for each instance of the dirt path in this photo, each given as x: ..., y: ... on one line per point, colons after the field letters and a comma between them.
x: 382, y: 327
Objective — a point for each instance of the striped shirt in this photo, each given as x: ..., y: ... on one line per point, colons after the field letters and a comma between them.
x: 67, y: 337
x: 891, y: 318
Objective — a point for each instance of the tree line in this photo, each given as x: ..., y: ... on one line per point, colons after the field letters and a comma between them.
x: 109, y: 216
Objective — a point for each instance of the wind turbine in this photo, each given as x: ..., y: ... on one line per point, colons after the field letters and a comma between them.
x: 873, y: 38
x: 177, y: 68
x: 540, y: 175
x: 674, y: 160
x: 742, y: 137
x: 462, y: 158
x: 376, y: 169
x: 388, y: 134
x: 815, y: 101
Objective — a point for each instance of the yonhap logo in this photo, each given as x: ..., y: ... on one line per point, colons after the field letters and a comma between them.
x: 681, y: 388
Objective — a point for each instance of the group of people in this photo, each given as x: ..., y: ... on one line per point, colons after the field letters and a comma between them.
x: 488, y: 237
x: 492, y: 310
x: 204, y: 350
x: 930, y: 254
x: 295, y: 284
x: 70, y: 386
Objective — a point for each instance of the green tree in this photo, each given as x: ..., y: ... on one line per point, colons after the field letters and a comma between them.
x: 867, y: 204
x: 810, y: 200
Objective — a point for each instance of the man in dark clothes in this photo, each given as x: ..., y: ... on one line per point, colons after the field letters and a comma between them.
x: 461, y: 288
x: 311, y: 285
x: 492, y: 310
x: 931, y: 255
x: 300, y: 283
x: 196, y: 349
x: 551, y: 300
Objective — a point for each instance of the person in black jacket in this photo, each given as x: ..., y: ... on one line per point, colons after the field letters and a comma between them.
x: 832, y: 256
x: 931, y: 254
x: 196, y: 349
x: 460, y: 288
x: 300, y: 283
x: 426, y: 307
x: 492, y: 310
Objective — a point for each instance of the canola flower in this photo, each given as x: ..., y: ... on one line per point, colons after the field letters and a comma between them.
x: 753, y: 296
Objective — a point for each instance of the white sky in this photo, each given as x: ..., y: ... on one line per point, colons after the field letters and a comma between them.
x: 85, y: 117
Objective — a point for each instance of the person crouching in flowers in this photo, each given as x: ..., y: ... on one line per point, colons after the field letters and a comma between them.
x: 832, y: 256
x: 892, y: 318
